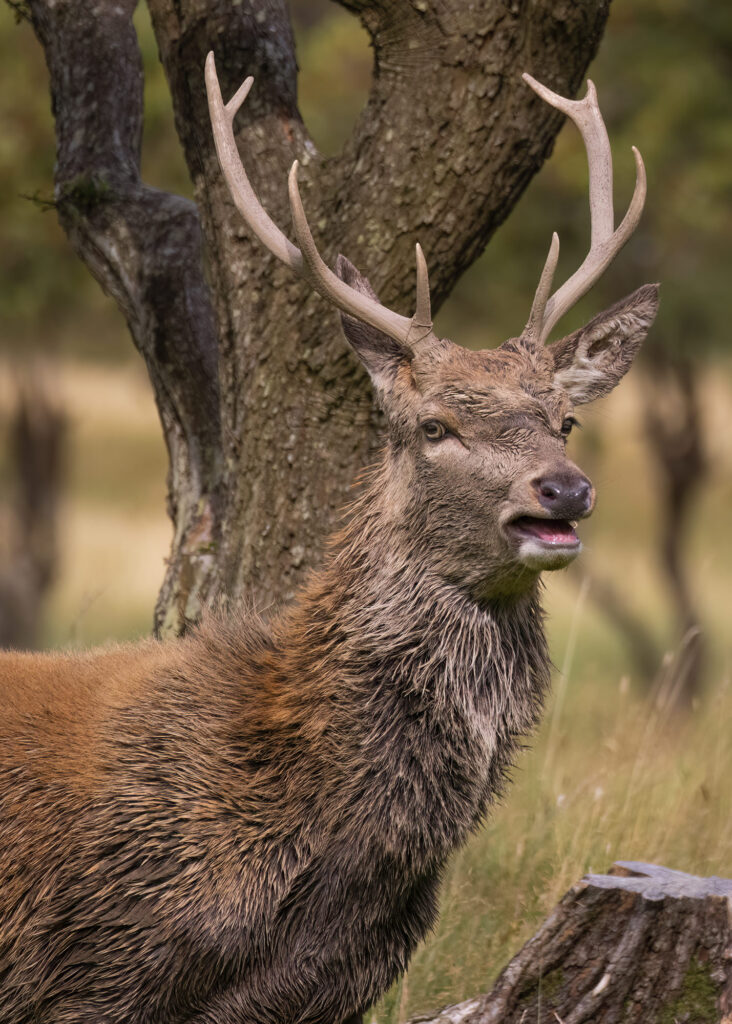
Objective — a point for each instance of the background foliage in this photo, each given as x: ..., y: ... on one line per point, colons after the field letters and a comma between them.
x: 613, y: 773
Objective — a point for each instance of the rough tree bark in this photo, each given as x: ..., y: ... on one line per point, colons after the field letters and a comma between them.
x: 266, y: 415
x: 641, y: 945
x: 144, y: 247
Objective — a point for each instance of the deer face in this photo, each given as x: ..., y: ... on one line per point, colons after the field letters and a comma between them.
x: 486, y: 433
x: 479, y: 440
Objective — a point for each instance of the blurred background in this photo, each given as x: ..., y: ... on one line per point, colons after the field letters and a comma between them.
x: 634, y: 759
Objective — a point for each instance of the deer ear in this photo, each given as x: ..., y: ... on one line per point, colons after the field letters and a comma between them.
x: 380, y: 354
x: 590, y: 362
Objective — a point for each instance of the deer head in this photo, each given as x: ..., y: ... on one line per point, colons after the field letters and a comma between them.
x: 478, y: 471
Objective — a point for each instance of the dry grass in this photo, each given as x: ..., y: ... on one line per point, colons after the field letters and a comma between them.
x: 624, y: 782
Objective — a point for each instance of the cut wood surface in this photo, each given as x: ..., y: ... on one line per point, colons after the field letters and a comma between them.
x: 640, y: 944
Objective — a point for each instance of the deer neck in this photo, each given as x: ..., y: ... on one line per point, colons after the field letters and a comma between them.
x: 377, y: 614
x: 426, y: 685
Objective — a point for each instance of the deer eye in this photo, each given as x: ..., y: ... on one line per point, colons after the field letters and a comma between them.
x: 434, y: 430
x: 567, y: 425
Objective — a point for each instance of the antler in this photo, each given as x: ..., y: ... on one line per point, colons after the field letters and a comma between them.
x: 605, y: 241
x: 305, y: 261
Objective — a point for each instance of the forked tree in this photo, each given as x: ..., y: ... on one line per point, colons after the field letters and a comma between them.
x: 267, y: 417
x: 248, y: 825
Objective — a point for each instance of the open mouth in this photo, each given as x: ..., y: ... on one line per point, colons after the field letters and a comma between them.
x: 553, y: 533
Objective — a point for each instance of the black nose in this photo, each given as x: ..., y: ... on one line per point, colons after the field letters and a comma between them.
x: 565, y: 495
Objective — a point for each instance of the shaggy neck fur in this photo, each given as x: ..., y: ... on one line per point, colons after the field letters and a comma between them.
x: 426, y: 684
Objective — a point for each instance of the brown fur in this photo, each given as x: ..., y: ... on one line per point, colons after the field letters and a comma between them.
x: 249, y: 825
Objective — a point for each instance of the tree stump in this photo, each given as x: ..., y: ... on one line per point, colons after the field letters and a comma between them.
x: 640, y: 945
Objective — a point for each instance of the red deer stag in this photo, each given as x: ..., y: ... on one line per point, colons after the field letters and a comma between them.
x: 249, y: 825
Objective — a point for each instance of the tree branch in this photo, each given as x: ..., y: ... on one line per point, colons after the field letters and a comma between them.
x: 452, y: 125
x: 144, y: 248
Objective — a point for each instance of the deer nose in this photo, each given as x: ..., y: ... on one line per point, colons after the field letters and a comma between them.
x: 565, y: 495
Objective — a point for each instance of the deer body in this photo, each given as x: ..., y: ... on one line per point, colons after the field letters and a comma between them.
x: 249, y: 825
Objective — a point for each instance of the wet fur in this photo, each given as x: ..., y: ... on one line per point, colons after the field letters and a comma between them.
x: 249, y: 825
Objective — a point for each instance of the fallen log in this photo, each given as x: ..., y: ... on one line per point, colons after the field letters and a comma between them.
x: 640, y: 945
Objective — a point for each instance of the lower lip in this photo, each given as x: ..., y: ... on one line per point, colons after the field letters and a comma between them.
x: 552, y: 534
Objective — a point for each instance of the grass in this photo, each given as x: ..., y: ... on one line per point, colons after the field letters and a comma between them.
x: 611, y: 775
x: 624, y: 782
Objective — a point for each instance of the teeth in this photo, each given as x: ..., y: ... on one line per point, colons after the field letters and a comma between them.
x: 573, y: 523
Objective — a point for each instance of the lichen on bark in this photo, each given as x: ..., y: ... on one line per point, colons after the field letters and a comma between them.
x: 697, y: 1002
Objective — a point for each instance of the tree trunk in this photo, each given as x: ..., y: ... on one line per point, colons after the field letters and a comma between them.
x: 267, y: 417
x: 641, y: 945
x: 674, y: 434
x: 144, y: 248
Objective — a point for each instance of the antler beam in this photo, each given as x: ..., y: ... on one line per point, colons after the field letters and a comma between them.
x: 605, y: 241
x: 305, y: 261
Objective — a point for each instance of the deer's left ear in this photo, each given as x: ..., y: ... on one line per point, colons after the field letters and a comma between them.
x: 590, y: 362
x: 378, y: 352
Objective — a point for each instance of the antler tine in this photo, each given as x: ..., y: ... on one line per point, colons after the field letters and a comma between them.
x: 305, y: 261
x: 222, y: 122
x: 330, y: 285
x: 538, y: 306
x: 605, y: 241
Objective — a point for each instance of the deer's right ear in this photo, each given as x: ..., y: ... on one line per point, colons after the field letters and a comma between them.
x: 380, y: 354
x: 591, y: 361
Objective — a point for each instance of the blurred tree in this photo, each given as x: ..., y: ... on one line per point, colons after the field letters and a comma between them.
x: 29, y: 557
x: 686, y: 47
x: 673, y: 425
x: 265, y: 414
x: 676, y: 57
